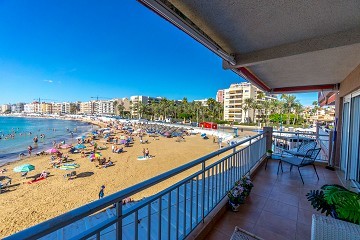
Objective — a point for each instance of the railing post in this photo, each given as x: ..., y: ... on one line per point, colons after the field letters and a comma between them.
x: 119, y: 221
x: 268, y: 132
x: 330, y: 150
x: 249, y: 160
x: 203, y: 192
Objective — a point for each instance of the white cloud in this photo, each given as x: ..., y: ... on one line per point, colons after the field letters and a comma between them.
x: 49, y: 81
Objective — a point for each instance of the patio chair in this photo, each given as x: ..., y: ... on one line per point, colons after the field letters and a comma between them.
x: 302, y: 150
x: 307, y: 160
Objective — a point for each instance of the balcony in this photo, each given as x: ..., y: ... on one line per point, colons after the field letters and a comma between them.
x: 277, y: 206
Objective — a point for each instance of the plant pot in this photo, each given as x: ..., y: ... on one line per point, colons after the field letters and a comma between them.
x: 234, y: 207
x: 268, y: 154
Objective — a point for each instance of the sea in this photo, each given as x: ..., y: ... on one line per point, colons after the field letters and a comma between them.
x: 17, y: 133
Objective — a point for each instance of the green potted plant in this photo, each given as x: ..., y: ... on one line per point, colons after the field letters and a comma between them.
x: 336, y: 201
x: 269, y: 152
x: 239, y: 192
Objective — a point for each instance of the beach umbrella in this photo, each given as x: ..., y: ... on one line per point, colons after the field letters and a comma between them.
x: 167, y: 134
x: 123, y: 141
x: 80, y: 146
x: 24, y: 168
x: 95, y: 155
x: 106, y: 131
x: 64, y: 146
x: 52, y: 150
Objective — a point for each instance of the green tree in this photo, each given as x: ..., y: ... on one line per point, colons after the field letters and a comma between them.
x: 121, y: 109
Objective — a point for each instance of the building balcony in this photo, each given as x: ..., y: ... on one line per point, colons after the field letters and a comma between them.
x: 277, y: 207
x: 196, y: 205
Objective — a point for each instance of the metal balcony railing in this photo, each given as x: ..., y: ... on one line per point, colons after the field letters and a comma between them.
x: 292, y: 140
x: 170, y: 214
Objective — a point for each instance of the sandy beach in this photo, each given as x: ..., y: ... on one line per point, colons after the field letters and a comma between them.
x: 25, y: 205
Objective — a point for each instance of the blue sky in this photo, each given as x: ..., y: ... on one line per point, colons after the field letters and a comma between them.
x: 74, y: 50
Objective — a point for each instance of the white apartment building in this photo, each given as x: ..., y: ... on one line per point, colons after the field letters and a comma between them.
x: 141, y: 99
x: 32, y: 107
x: 106, y: 107
x: 65, y: 107
x: 5, y: 107
x: 56, y: 108
x: 87, y: 107
x: 202, y: 101
x: 17, y: 108
x: 234, y: 102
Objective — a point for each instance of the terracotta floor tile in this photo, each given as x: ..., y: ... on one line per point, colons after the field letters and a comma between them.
x: 246, y: 213
x: 277, y: 207
x: 277, y: 224
x: 216, y: 235
x: 305, y: 216
x: 281, y: 209
x: 303, y: 232
x: 285, y: 198
x: 305, y: 204
x: 261, y: 190
x: 279, y: 187
x: 227, y: 224
x: 268, y: 234
x: 255, y: 201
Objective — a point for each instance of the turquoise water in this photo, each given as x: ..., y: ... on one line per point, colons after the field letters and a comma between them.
x: 18, y: 133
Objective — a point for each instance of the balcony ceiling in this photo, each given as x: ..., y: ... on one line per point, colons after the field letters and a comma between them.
x: 281, y: 44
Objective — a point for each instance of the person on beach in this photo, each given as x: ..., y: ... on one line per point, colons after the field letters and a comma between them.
x: 101, y: 193
x: 144, y: 152
x: 147, y: 153
x: 29, y: 149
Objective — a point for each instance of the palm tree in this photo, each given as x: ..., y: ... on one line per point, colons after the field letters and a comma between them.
x: 289, y: 103
x: 164, y: 105
x: 249, y: 104
x: 115, y: 106
x: 211, y: 104
x: 121, y: 109
x: 197, y: 108
x: 297, y: 109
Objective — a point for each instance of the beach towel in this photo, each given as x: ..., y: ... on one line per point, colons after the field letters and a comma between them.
x: 35, y: 180
x: 141, y: 158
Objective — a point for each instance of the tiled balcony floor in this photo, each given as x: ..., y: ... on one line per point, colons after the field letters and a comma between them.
x: 277, y: 207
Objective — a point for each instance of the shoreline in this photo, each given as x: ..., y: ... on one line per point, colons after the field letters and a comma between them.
x: 12, y: 157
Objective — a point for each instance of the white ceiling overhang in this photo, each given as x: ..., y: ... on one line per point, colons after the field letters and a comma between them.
x: 280, y: 46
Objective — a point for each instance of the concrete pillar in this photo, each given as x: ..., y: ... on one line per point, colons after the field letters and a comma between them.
x: 268, y: 131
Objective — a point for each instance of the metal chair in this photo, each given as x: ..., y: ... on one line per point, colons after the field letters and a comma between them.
x: 302, y: 150
x: 308, y: 159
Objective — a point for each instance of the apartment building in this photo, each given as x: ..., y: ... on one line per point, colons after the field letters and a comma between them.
x: 33, y: 107
x: 202, y: 101
x: 220, y: 96
x: 141, y: 99
x: 87, y: 107
x: 234, y: 102
x: 46, y: 108
x: 17, y: 108
x: 5, y: 108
